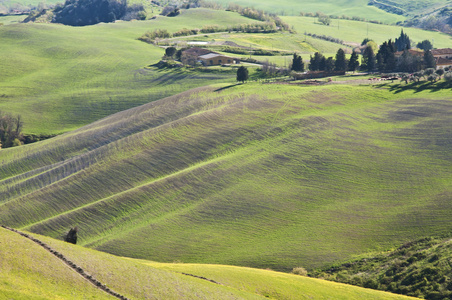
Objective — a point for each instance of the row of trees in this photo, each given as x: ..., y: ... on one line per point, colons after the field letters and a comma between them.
x: 260, y: 15
x: 319, y: 62
x: 266, y: 27
x: 10, y: 130
x: 386, y: 61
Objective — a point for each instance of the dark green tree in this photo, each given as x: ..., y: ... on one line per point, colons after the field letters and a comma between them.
x: 315, y: 62
x: 386, y: 57
x: 429, y: 60
x: 242, y: 74
x: 322, y: 63
x: 170, y: 51
x: 329, y: 64
x: 425, y: 45
x: 340, y: 63
x: 353, y: 63
x: 297, y: 63
x: 403, y: 42
x: 368, y: 60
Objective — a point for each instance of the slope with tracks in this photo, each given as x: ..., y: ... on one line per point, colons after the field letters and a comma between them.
x: 254, y: 175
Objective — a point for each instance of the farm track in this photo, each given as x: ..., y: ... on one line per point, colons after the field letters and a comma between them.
x: 70, y: 264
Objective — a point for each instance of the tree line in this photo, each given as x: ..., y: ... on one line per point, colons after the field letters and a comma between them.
x: 319, y: 62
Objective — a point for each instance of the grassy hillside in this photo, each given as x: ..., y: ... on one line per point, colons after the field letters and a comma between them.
x: 354, y: 31
x: 60, y: 78
x: 351, y: 8
x: 414, y: 7
x: 30, y: 272
x: 255, y: 175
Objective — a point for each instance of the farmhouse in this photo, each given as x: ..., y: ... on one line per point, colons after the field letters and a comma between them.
x: 442, y: 63
x: 206, y: 57
x: 443, y: 57
x: 443, y: 53
x: 191, y: 56
x: 215, y: 59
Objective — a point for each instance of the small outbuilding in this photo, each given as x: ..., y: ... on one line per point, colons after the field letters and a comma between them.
x: 215, y: 59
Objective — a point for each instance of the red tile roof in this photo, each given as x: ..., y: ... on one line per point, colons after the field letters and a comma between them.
x: 444, y: 51
x: 443, y: 61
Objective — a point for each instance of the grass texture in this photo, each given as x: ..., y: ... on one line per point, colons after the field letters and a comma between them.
x: 60, y: 77
x: 272, y: 176
x: 351, y: 8
x: 355, y: 31
x: 29, y: 272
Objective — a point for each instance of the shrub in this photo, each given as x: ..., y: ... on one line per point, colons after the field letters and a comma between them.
x: 300, y: 271
x: 448, y: 77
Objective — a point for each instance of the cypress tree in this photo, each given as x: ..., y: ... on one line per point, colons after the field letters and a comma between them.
x: 340, y: 64
x: 368, y: 60
x: 353, y: 64
x: 297, y: 63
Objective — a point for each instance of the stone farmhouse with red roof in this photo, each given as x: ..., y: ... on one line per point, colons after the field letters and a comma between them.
x: 206, y: 57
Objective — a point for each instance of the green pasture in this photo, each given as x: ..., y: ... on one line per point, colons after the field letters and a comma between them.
x: 418, y: 7
x: 272, y: 176
x: 275, y: 285
x: 29, y: 272
x: 60, y: 77
x: 351, y: 8
x: 356, y: 32
x: 7, y: 20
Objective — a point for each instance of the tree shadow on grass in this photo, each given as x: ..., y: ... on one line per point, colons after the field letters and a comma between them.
x: 226, y: 87
x: 417, y: 86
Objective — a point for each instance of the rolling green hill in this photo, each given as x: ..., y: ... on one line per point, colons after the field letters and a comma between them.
x: 411, y: 8
x: 351, y: 8
x: 60, y: 77
x: 257, y: 175
x: 30, y: 272
x: 355, y: 32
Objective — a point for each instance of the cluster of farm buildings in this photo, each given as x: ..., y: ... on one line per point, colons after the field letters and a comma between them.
x: 443, y: 57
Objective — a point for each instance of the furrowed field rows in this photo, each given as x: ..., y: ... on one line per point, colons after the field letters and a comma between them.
x: 300, y: 176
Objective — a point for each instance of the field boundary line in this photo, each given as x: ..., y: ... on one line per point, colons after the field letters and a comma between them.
x: 70, y: 264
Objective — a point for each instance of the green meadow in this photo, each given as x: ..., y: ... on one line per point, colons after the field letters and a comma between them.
x: 60, y: 78
x: 185, y: 171
x: 355, y: 31
x: 351, y: 8
x: 30, y: 272
x: 260, y: 175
